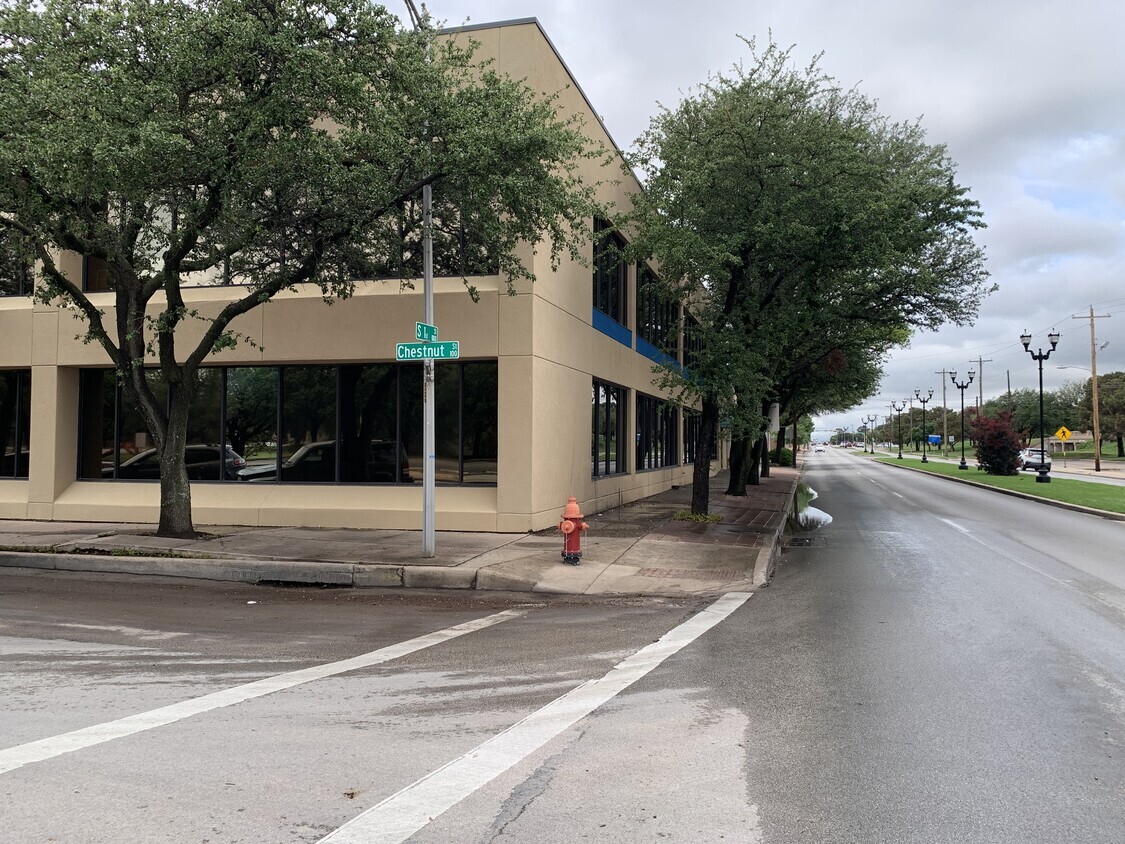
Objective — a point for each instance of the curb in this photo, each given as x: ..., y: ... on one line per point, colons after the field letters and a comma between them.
x: 1063, y: 505
x: 358, y: 575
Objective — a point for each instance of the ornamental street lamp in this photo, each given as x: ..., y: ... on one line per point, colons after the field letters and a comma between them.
x: 863, y: 427
x: 871, y: 420
x: 924, y: 402
x: 962, y: 388
x: 898, y: 423
x: 1043, y: 477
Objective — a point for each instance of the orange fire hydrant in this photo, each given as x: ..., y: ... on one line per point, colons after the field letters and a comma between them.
x: 572, y: 527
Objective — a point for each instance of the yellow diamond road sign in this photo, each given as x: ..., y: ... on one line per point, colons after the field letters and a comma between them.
x: 1063, y: 433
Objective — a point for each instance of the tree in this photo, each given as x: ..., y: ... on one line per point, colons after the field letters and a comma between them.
x: 785, y: 206
x: 1023, y: 405
x: 1111, y: 407
x: 998, y: 445
x: 269, y: 143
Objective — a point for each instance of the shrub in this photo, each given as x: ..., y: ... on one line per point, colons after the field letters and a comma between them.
x: 688, y: 516
x: 998, y: 445
x: 784, y: 459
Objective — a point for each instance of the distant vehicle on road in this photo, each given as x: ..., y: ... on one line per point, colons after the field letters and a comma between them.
x: 818, y: 447
x: 1033, y: 458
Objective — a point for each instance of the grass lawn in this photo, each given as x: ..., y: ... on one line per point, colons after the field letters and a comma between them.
x: 1087, y: 494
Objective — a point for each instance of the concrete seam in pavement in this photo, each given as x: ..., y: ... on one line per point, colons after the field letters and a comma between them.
x: 1065, y: 505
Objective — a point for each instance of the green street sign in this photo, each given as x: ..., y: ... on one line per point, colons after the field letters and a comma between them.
x: 425, y: 332
x: 428, y: 351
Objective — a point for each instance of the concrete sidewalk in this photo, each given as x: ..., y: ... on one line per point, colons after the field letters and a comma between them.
x: 636, y: 549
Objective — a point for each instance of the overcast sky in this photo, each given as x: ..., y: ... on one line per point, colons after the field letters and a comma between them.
x: 1028, y: 95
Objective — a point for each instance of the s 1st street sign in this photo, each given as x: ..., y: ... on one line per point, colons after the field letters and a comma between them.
x: 425, y: 332
x: 448, y: 350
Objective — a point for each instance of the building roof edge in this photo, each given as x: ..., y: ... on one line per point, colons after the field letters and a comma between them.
x: 578, y: 87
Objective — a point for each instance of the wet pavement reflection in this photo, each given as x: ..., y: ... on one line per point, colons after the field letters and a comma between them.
x: 807, y: 517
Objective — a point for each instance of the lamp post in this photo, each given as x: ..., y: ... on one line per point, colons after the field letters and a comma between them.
x: 1042, y: 477
x: 924, y: 402
x: 962, y: 388
x: 898, y: 423
x: 870, y: 420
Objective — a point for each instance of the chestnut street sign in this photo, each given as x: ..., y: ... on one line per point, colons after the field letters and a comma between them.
x: 448, y: 350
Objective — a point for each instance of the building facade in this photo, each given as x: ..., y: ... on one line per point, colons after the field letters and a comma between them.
x: 316, y: 424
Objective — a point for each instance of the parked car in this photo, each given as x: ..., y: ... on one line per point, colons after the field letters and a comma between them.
x: 202, y: 464
x: 316, y: 463
x: 1033, y: 458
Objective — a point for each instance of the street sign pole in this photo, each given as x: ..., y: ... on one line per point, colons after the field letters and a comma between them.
x: 428, y: 448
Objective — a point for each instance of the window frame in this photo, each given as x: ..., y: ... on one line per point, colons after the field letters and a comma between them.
x: 611, y: 273
x: 615, y: 432
x: 21, y: 417
x: 657, y: 316
x: 657, y: 421
x: 396, y: 398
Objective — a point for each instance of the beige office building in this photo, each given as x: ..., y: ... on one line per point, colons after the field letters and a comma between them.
x: 553, y: 393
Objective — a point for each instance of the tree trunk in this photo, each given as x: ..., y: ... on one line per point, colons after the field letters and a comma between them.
x: 701, y: 469
x: 765, y: 456
x: 740, y: 458
x: 754, y: 475
x: 780, y: 444
x: 1120, y: 445
x: 175, y: 491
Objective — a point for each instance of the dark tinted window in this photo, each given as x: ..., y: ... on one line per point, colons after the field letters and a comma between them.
x: 373, y: 410
x: 656, y: 314
x: 656, y: 433
x: 608, y: 442
x: 611, y: 277
x: 15, y: 423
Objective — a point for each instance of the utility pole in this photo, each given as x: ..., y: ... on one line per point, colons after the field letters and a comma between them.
x: 944, y: 411
x: 980, y: 362
x: 1094, y: 387
x: 429, y: 467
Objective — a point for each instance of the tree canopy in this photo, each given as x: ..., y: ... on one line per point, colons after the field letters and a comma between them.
x: 268, y: 143
x: 798, y: 218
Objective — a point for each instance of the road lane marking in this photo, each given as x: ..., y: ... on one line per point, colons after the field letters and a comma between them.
x: 48, y: 748
x: 399, y: 816
x: 137, y: 632
x: 956, y: 526
x: 1068, y: 584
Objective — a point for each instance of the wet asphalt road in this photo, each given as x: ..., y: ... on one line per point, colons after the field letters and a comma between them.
x: 940, y: 664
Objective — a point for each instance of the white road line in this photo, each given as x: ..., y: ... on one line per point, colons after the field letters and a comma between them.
x: 401, y: 815
x: 1065, y: 583
x: 48, y: 748
x: 955, y: 526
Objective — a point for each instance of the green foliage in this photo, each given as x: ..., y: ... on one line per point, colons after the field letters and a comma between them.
x: 997, y: 444
x: 785, y: 458
x: 809, y: 232
x: 688, y: 516
x: 1084, y: 493
x: 1060, y: 407
x: 805, y: 428
x: 1111, y: 406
